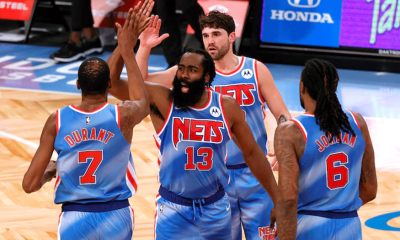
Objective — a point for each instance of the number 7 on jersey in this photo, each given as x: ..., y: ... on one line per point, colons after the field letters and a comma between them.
x: 97, y: 157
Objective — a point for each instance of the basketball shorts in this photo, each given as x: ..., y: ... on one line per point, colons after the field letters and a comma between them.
x: 320, y: 228
x: 251, y: 205
x: 116, y: 224
x: 200, y: 222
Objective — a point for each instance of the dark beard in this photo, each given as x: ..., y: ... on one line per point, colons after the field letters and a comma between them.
x: 193, y: 96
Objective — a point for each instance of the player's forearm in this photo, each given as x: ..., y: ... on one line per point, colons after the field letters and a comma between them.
x: 278, y: 107
x: 286, y: 219
x: 136, y: 85
x: 47, y: 177
x: 49, y: 173
x: 261, y: 169
x: 282, y: 116
x: 119, y: 88
x: 142, y: 58
x: 31, y: 185
x: 367, y: 193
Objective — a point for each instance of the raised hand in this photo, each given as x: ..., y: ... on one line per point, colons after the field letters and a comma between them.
x: 150, y: 36
x: 134, y: 25
x: 147, y: 8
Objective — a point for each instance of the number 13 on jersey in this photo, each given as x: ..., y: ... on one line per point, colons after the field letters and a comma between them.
x: 205, y: 165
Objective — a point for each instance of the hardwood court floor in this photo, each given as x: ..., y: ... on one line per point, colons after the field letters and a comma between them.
x: 35, y: 216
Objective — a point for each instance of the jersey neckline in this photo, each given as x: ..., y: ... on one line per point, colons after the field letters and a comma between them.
x: 241, y: 60
x: 88, y: 112
x: 205, y: 105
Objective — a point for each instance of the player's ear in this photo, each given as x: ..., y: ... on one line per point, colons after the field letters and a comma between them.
x: 109, y: 84
x: 232, y: 37
x: 207, y: 78
x: 78, y: 86
x: 302, y: 88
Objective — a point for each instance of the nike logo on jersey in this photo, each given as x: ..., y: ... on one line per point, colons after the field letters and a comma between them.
x: 228, y: 207
x: 324, y: 143
x: 83, y: 135
x: 196, y: 130
x: 243, y: 93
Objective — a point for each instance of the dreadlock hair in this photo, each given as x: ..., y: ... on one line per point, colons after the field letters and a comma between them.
x: 93, y: 76
x: 320, y: 78
x: 207, y: 63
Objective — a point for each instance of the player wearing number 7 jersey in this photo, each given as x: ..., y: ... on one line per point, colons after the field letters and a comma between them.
x: 326, y: 163
x: 95, y: 172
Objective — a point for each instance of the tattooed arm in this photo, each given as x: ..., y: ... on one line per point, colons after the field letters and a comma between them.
x: 289, y: 147
x: 282, y: 119
x: 368, y: 181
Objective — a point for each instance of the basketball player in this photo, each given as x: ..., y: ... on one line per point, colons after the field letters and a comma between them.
x: 252, y: 85
x: 193, y: 127
x: 326, y: 163
x: 95, y: 172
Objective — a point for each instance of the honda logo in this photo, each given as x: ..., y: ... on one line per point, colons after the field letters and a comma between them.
x: 304, y: 3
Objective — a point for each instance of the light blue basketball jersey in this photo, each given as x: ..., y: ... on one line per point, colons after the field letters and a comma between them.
x: 192, y: 147
x: 242, y: 84
x: 94, y: 161
x: 330, y: 172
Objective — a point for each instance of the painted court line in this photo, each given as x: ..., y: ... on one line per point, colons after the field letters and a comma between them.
x: 24, y: 141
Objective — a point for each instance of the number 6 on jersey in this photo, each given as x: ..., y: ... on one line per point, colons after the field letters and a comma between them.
x: 337, y: 176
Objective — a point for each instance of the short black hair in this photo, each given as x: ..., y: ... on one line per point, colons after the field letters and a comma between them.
x: 207, y: 63
x: 94, y: 76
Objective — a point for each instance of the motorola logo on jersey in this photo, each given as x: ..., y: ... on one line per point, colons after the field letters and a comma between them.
x: 215, y: 112
x: 247, y: 73
x: 243, y: 93
x: 196, y: 130
x: 304, y: 3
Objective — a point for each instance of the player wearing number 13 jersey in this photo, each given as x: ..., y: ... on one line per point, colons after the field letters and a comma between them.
x: 193, y: 128
x: 326, y: 163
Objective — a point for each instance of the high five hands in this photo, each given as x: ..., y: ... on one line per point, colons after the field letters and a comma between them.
x: 136, y: 22
x: 150, y: 37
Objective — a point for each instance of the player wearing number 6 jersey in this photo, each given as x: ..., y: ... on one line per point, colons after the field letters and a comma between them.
x: 327, y: 166
x: 193, y: 127
x: 95, y: 172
